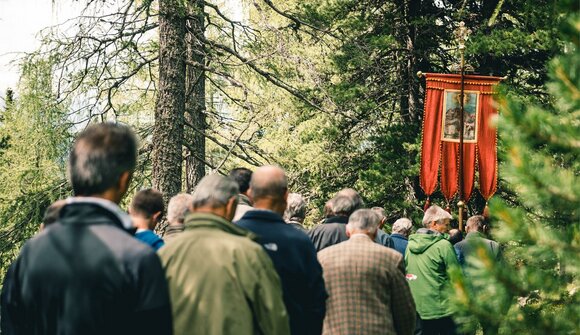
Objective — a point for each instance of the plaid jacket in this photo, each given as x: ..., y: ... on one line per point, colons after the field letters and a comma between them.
x: 368, y: 292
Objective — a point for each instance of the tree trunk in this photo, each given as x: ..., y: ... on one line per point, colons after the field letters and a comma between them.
x: 168, y: 129
x: 195, y: 98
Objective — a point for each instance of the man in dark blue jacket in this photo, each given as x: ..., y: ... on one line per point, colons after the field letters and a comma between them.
x: 86, y: 273
x: 291, y: 250
x: 400, y: 234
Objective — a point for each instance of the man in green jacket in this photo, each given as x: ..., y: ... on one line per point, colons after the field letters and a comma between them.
x: 220, y: 281
x: 428, y: 259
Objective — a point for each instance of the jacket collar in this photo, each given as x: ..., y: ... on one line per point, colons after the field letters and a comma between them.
x: 336, y: 219
x: 244, y: 200
x: 263, y: 215
x: 207, y: 220
x: 474, y: 234
x: 399, y: 236
x: 110, y: 207
x: 360, y: 238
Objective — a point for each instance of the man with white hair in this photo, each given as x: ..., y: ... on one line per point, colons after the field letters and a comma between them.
x: 177, y: 208
x: 295, y: 212
x: 368, y: 293
x: 220, y: 280
x: 428, y: 259
x: 400, y: 234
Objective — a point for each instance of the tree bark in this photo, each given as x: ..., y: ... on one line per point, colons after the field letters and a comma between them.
x: 170, y: 106
x: 195, y: 98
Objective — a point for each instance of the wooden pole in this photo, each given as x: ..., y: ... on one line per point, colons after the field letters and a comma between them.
x: 461, y: 126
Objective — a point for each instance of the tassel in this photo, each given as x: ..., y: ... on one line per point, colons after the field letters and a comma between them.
x: 427, y: 204
x: 448, y: 208
x: 486, y: 211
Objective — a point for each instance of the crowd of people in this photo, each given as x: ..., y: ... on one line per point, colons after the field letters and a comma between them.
x: 235, y: 258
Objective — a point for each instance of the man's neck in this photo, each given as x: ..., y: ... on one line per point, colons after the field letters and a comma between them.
x: 141, y: 223
x: 270, y: 205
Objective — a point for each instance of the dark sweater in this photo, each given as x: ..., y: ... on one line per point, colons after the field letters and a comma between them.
x: 330, y: 232
x: 295, y: 261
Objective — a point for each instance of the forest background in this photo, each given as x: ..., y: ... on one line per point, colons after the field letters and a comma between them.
x: 326, y: 89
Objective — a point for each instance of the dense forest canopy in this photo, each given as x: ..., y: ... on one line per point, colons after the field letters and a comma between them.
x: 326, y: 89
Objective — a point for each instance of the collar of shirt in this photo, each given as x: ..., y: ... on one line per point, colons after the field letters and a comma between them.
x: 360, y: 235
x: 106, y: 204
x: 140, y: 230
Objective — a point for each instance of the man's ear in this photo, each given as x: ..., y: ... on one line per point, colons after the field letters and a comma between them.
x: 348, y: 233
x: 156, y: 216
x: 250, y: 194
x: 124, y: 181
x: 231, y: 208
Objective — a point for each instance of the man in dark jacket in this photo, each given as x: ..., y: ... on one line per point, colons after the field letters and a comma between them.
x: 242, y: 177
x: 475, y: 227
x: 400, y: 234
x: 86, y: 273
x: 291, y: 251
x: 333, y: 229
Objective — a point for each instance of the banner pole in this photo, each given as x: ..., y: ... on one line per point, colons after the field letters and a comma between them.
x: 461, y: 128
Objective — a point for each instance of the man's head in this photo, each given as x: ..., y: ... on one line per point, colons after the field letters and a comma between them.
x: 437, y: 219
x: 217, y: 195
x: 147, y: 208
x: 178, y: 207
x: 269, y: 189
x: 342, y: 205
x: 455, y: 236
x: 476, y: 223
x: 295, y: 208
x: 381, y: 212
x: 102, y: 161
x: 403, y: 227
x: 363, y: 221
x: 242, y: 176
x: 52, y: 213
x: 357, y: 200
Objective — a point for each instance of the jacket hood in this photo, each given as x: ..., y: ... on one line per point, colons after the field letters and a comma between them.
x: 423, y: 240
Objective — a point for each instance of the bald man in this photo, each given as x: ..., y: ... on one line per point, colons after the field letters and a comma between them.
x: 291, y: 250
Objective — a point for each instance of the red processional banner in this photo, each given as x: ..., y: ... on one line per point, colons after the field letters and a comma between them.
x: 441, y: 132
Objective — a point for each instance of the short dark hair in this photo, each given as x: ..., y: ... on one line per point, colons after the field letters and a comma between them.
x: 100, y: 155
x: 52, y: 213
x: 147, y: 202
x: 242, y: 176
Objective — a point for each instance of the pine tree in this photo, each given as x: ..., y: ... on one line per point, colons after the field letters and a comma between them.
x: 534, y: 290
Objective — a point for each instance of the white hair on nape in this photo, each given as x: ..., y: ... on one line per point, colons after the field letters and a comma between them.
x: 364, y: 220
x: 295, y: 207
x: 435, y: 213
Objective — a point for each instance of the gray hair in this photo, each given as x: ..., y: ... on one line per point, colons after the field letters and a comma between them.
x: 476, y: 222
x: 214, y: 190
x: 342, y: 205
x: 295, y: 207
x: 178, y: 207
x: 402, y: 226
x: 364, y: 220
x: 380, y: 211
x: 355, y: 197
x: 100, y: 155
x: 435, y: 213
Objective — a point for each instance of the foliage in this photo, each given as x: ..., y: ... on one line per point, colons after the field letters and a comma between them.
x: 535, y: 290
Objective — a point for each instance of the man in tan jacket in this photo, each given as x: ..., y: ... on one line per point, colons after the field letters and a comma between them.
x: 220, y: 281
x: 368, y: 292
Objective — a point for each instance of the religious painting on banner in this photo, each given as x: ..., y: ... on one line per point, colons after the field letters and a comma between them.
x: 452, y: 116
x: 441, y: 132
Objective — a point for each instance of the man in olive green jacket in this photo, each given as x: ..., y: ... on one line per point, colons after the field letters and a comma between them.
x: 220, y: 281
x: 428, y: 259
